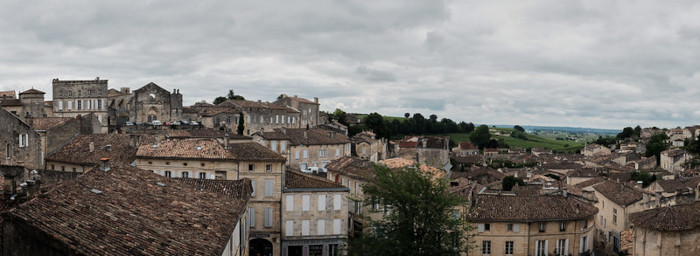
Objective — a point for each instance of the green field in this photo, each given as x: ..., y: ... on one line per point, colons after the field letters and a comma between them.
x: 532, y: 141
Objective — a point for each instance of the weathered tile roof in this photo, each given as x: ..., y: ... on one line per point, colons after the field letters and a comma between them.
x: 251, y: 151
x: 117, y: 147
x: 674, y: 152
x: 8, y: 94
x: 463, y: 187
x: 45, y: 123
x: 590, y: 182
x: 296, y: 179
x: 240, y: 189
x: 208, y: 149
x: 467, y: 145
x: 278, y: 134
x: 395, y: 163
x: 619, y: 193
x: 679, y: 185
x: 673, y: 218
x: 32, y: 91
x: 11, y: 102
x: 204, y: 133
x: 212, y: 111
x: 133, y: 215
x: 529, y: 208
x: 364, y: 137
x: 251, y: 104
x: 315, y: 136
x: 352, y: 167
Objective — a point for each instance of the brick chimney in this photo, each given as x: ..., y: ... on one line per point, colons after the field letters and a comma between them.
x: 226, y: 141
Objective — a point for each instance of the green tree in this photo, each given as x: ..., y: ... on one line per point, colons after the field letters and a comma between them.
x: 481, y: 136
x: 627, y: 132
x: 375, y: 122
x: 241, y: 125
x: 422, y: 220
x: 219, y: 100
x: 646, y: 177
x: 510, y: 181
x: 518, y: 128
x: 340, y: 116
x: 638, y: 131
x: 656, y: 145
x: 407, y: 115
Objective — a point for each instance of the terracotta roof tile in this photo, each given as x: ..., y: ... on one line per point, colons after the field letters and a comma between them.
x: 32, y: 91
x: 315, y: 136
x: 672, y: 218
x: 352, y: 167
x: 529, y: 208
x: 133, y: 214
x: 619, y: 193
x: 184, y: 149
x: 251, y: 151
x: 295, y: 179
x: 45, y: 123
x: 679, y: 185
x: 240, y: 189
x: 111, y: 145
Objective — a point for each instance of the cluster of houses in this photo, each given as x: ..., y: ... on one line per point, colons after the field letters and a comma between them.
x: 280, y: 178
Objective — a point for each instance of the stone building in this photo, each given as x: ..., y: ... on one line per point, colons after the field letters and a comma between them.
x: 366, y: 146
x: 72, y: 98
x: 433, y: 151
x: 209, y: 159
x: 30, y: 104
x: 673, y: 230
x: 122, y: 210
x: 21, y: 145
x: 306, y: 147
x: 263, y: 116
x: 536, y: 225
x: 673, y: 160
x: 315, y: 216
x: 54, y: 132
x: 152, y: 102
x: 353, y: 172
x: 85, y: 151
x: 309, y: 110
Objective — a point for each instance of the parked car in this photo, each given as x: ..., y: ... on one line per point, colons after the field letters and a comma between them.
x: 157, y: 122
x: 167, y: 123
x: 129, y: 123
x: 194, y: 123
x: 177, y: 123
x: 184, y: 122
x: 138, y: 123
x: 311, y: 170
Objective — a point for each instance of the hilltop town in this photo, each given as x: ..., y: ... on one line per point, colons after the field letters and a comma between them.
x: 98, y: 170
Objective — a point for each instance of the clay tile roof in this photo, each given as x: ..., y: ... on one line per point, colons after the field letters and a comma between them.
x: 352, y: 167
x: 590, y: 182
x: 529, y: 208
x: 619, y: 193
x: 184, y: 149
x: 296, y: 179
x: 251, y: 151
x: 8, y: 94
x: 408, y: 144
x: 302, y: 100
x: 278, y: 134
x: 251, y: 104
x: 32, y: 91
x: 315, y: 136
x: 240, y: 189
x: 680, y: 184
x: 11, y: 102
x: 463, y: 187
x: 204, y: 133
x: 467, y: 145
x: 674, y: 152
x: 45, y: 123
x: 133, y: 215
x: 218, y: 110
x: 673, y: 218
x: 117, y: 147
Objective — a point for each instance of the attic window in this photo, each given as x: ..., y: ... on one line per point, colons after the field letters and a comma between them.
x: 167, y: 163
x: 150, y: 162
x: 97, y: 192
x: 199, y: 147
x: 202, y: 164
x: 160, y: 184
x: 185, y: 164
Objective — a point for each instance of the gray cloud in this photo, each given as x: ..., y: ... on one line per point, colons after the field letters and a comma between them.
x: 584, y: 63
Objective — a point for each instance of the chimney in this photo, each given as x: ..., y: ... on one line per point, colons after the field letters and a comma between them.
x: 33, y: 188
x: 92, y: 146
x: 284, y: 130
x: 316, y: 100
x: 105, y: 164
x: 226, y: 141
x: 565, y: 193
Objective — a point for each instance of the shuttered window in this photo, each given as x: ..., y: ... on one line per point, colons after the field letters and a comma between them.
x: 268, y: 217
x: 290, y: 203
x: 321, y: 202
x: 251, y: 214
x: 269, y: 185
x: 305, y: 202
x: 337, y: 202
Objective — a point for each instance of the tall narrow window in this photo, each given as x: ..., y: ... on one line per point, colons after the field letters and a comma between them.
x: 168, y: 174
x: 251, y: 215
x: 305, y: 202
x: 321, y: 202
x: 336, y: 226
x: 252, y: 183
x: 541, y: 248
x: 337, y: 201
x: 289, y: 228
x: 289, y: 204
x: 268, y: 217
x: 269, y: 187
x: 486, y: 247
x: 321, y: 227
x: 305, y: 227
x: 509, y: 248
x: 185, y: 174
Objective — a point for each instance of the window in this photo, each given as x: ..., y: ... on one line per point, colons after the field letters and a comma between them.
x: 337, y: 152
x: 487, y: 226
x: 52, y: 168
x: 321, y: 227
x: 99, y: 104
x: 614, y: 216
x: 7, y: 151
x: 509, y: 227
x: 336, y: 202
x: 79, y: 104
x: 290, y: 203
x: 305, y: 202
x: 563, y: 247
x: 289, y: 228
x: 320, y: 153
x: 268, y: 168
x: 60, y: 93
x: 584, y: 244
x: 296, y: 155
x: 585, y: 223
x: 251, y: 215
x: 277, y: 119
x: 269, y: 185
x: 306, y: 154
x: 273, y: 145
x: 541, y: 248
x: 252, y: 184
x: 283, y: 146
x: 168, y: 174
x: 73, y: 169
x: 70, y: 93
x: 542, y: 227
x: 509, y: 248
x: 60, y: 105
x: 251, y: 167
x: 303, y: 166
x: 268, y: 217
x: 486, y: 247
x: 305, y: 227
x: 89, y: 92
x: 321, y: 202
x: 203, y: 175
x: 63, y: 168
x: 185, y: 174
x: 562, y: 226
x: 23, y: 140
x: 336, y: 226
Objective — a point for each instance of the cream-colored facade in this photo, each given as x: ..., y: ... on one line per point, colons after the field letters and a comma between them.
x: 526, y: 238
x: 649, y: 242
x: 613, y: 218
x: 72, y: 98
x: 237, y: 244
x: 317, y: 155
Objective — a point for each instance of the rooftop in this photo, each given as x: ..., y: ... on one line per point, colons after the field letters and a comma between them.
x: 619, y: 193
x: 45, y: 123
x: 208, y: 149
x: 352, y: 167
x: 251, y: 151
x: 672, y: 218
x: 529, y: 208
x: 299, y: 180
x: 117, y: 147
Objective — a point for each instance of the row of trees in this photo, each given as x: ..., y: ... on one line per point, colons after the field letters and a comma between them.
x: 409, y: 125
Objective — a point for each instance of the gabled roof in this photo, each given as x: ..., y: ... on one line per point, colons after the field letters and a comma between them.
x: 315, y: 136
x: 679, y: 185
x: 251, y: 151
x: 252, y: 104
x: 529, y: 208
x: 298, y: 180
x: 619, y: 193
x: 129, y: 211
x: 212, y: 111
x: 8, y: 94
x: 467, y: 146
x: 117, y: 147
x: 352, y: 166
x: 45, y: 123
x: 32, y: 91
x: 203, y: 133
x: 672, y: 218
x: 150, y: 85
x: 278, y: 134
x: 240, y: 189
x: 10, y: 102
x: 208, y: 149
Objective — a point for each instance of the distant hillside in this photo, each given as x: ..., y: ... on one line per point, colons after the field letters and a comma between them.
x: 532, y: 140
x: 579, y: 130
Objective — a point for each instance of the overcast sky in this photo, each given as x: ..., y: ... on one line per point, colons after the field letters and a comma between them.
x: 602, y: 64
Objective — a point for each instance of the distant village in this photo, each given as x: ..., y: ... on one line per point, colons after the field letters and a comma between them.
x: 98, y: 170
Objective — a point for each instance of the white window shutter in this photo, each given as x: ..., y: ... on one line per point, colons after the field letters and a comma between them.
x: 580, y: 246
x: 269, y: 185
x: 321, y: 202
x: 251, y: 214
x: 480, y: 227
x: 546, y: 247
x: 337, y: 202
x: 305, y: 202
x: 321, y: 227
x: 516, y: 228
x: 336, y: 226
x: 268, y: 217
x: 290, y: 203
x: 566, y: 247
x: 289, y: 228
x: 305, y: 227
x: 252, y: 183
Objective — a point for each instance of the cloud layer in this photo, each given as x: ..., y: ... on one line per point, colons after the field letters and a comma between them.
x: 587, y: 63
